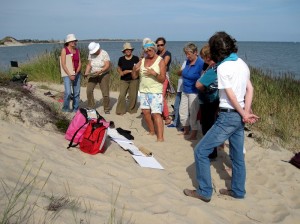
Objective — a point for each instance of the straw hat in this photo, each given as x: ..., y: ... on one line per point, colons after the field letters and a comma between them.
x: 70, y: 37
x: 127, y: 46
x: 93, y: 47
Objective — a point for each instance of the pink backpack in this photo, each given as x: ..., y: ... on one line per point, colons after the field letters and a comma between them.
x: 79, y: 124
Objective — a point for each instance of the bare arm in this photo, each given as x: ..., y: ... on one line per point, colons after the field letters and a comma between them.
x: 248, y: 116
x: 233, y: 100
x: 88, y: 68
x: 163, y: 69
x: 167, y: 59
x: 249, y: 96
x: 79, y: 65
x: 122, y: 73
x: 136, y: 70
x: 200, y: 86
x: 105, y: 68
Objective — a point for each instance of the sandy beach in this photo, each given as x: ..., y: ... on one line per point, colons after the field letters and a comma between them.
x: 113, y: 183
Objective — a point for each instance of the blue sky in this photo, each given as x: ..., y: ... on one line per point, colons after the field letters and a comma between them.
x: 189, y: 20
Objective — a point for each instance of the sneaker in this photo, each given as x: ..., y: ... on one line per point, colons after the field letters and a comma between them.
x: 171, y: 126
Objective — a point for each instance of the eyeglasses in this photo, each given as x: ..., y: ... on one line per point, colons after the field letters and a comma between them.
x: 160, y: 45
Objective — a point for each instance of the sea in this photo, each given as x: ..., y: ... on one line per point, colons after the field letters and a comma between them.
x: 275, y: 58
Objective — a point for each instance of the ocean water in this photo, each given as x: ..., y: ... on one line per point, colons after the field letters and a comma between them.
x: 274, y: 57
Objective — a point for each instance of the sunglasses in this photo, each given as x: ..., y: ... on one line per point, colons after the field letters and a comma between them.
x: 160, y: 45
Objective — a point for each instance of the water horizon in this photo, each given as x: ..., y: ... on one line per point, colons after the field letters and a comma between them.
x: 272, y: 57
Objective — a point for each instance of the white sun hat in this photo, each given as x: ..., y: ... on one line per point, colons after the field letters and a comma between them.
x: 70, y: 37
x: 93, y: 47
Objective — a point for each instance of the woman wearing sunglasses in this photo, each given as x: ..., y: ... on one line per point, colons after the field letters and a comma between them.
x: 166, y: 55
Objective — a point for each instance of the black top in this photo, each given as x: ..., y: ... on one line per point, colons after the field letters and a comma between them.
x: 167, y: 53
x: 125, y: 64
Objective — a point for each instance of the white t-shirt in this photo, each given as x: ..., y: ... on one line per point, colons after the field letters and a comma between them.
x: 97, y: 61
x: 234, y: 75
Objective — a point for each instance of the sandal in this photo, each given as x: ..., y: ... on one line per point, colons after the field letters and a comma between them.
x: 168, y: 121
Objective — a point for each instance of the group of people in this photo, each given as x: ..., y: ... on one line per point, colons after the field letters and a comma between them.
x: 216, y: 82
x: 147, y: 74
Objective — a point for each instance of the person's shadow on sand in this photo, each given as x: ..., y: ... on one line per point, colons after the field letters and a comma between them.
x: 220, y: 164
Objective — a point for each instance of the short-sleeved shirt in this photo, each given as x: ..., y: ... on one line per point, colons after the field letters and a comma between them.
x: 190, y: 75
x: 209, y: 79
x: 126, y: 64
x: 234, y: 75
x: 97, y: 61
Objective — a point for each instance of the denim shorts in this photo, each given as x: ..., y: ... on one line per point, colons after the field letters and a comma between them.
x: 152, y: 101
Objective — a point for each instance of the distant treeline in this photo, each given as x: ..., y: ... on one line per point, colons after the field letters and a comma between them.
x: 27, y: 41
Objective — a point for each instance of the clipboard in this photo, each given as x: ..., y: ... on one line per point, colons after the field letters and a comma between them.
x: 69, y: 64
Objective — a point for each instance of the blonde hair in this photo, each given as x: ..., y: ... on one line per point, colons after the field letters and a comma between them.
x: 190, y: 47
x: 205, y: 51
x: 148, y: 43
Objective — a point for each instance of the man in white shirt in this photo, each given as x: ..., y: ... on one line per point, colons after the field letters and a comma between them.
x: 236, y: 92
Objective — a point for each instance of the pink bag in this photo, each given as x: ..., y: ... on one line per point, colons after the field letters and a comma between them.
x: 79, y: 124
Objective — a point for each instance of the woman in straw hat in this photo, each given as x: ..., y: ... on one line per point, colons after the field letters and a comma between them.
x: 98, y: 65
x: 73, y: 75
x: 152, y: 72
x: 127, y: 84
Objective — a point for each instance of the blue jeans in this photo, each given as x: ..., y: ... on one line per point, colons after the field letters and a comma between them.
x: 71, y: 86
x: 229, y: 125
x: 176, y: 120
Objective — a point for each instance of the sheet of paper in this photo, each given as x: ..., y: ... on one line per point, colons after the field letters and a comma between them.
x: 149, y: 162
x: 131, y: 148
x: 121, y: 140
x: 115, y: 136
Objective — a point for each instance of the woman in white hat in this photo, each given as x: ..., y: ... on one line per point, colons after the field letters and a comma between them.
x: 152, y: 72
x: 127, y: 84
x: 98, y: 65
x: 72, y: 78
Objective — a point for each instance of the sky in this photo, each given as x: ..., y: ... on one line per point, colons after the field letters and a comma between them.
x: 176, y: 20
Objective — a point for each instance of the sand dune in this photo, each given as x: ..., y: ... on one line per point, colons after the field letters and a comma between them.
x: 27, y: 135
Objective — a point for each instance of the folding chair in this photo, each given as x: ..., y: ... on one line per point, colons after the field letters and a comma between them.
x: 18, y: 77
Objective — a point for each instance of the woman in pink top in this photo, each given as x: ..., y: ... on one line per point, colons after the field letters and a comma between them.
x: 72, y: 80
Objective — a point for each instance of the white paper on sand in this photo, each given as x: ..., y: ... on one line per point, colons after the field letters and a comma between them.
x: 149, y: 162
x: 138, y: 156
x: 131, y: 148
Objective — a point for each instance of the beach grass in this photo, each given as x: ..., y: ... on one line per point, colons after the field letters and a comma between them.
x: 276, y: 101
x: 276, y: 98
x: 20, y: 201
